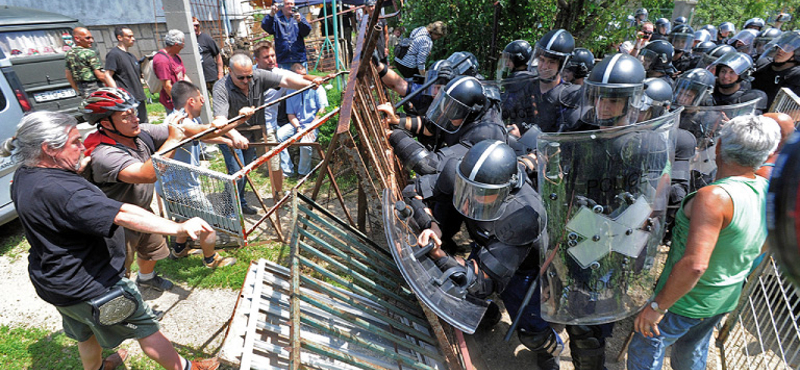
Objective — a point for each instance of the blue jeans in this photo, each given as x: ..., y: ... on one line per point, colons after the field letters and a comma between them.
x: 246, y: 156
x: 688, y: 337
x: 304, y: 165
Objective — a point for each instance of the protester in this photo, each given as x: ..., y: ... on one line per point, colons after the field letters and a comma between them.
x: 168, y: 66
x: 417, y: 55
x: 289, y: 28
x: 301, y: 110
x: 124, y: 68
x: 84, y: 70
x: 210, y: 55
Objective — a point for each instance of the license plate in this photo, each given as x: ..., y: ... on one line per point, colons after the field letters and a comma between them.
x: 53, y: 95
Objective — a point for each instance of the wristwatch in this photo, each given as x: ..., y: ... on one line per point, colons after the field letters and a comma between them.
x: 654, y: 306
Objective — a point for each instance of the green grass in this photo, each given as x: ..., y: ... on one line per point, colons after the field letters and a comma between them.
x: 154, y: 108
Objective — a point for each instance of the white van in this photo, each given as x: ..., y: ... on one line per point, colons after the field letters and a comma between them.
x: 11, y: 97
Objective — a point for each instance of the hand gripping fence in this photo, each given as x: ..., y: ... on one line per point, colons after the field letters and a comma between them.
x: 189, y: 191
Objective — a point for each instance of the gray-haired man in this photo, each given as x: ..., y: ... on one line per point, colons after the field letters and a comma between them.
x: 168, y: 66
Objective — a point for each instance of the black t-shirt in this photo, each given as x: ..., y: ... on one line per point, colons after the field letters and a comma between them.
x: 77, y: 252
x: 208, y: 54
x: 126, y: 71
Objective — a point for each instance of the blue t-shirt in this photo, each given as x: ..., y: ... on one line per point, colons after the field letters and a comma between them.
x: 180, y: 183
x: 305, y: 106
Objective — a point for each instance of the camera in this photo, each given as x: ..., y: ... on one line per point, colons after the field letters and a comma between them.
x: 294, y: 9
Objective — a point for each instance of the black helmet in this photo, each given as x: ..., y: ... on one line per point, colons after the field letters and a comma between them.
x: 764, y: 37
x: 613, y: 91
x: 701, y: 36
x: 743, y: 41
x: 656, y: 99
x: 433, y: 74
x: 662, y: 26
x: 681, y: 37
x: 462, y: 99
x: 581, y: 62
x: 640, y: 12
x: 470, y: 65
x: 754, y: 23
x: 740, y: 63
x: 711, y: 31
x: 715, y: 53
x: 693, y: 87
x: 788, y: 42
x: 657, y: 56
x: 679, y: 21
x: 486, y: 174
x: 515, y: 55
x: 703, y: 47
x: 558, y: 45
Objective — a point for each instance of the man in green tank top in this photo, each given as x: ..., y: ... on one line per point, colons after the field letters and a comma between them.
x: 719, y: 231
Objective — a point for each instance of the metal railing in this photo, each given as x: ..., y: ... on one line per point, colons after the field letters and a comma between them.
x: 786, y: 101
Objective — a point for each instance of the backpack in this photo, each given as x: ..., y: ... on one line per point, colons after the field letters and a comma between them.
x: 402, y: 47
x: 153, y: 82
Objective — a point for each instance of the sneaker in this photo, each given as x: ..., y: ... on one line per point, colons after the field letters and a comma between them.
x: 157, y: 283
x: 205, y: 364
x: 182, y: 254
x: 220, y: 261
x: 249, y: 210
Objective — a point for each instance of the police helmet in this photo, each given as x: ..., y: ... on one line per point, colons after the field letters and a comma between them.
x: 558, y: 45
x: 662, y: 26
x: 681, y: 37
x: 613, y: 91
x: 106, y: 101
x: 656, y: 99
x: 740, y: 63
x: 726, y: 28
x: 434, y: 73
x: 754, y: 23
x: 515, y: 56
x: 787, y: 42
x: 764, y: 37
x: 581, y: 62
x: 703, y: 47
x: 743, y: 41
x: 693, y: 87
x: 469, y: 66
x: 715, y: 53
x: 485, y: 176
x: 642, y: 12
x: 461, y: 100
x: 701, y: 36
x: 657, y: 56
x: 679, y: 21
x: 711, y: 31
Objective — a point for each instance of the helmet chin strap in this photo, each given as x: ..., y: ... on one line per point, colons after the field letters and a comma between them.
x: 114, y: 130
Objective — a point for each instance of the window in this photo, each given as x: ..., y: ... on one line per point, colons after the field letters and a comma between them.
x: 35, y: 42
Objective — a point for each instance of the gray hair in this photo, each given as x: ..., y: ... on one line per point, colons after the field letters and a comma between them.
x: 35, y: 129
x: 239, y: 59
x: 748, y: 140
x: 174, y: 37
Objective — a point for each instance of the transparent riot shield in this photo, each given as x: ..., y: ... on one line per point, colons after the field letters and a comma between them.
x: 606, y: 193
x: 431, y: 285
x: 516, y: 99
x: 705, y: 123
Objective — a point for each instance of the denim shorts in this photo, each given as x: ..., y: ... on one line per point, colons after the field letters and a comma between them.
x: 688, y: 337
x: 79, y: 323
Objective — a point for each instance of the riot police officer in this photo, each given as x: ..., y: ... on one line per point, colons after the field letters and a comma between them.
x: 681, y: 38
x: 516, y: 83
x: 754, y: 24
x: 553, y: 100
x: 712, y: 55
x: 779, y: 66
x: 656, y: 59
x: 694, y: 88
x: 578, y: 66
x: 743, y: 41
x: 612, y: 94
x: 661, y: 30
x: 763, y: 38
x: 656, y: 99
x: 732, y: 70
x: 726, y: 30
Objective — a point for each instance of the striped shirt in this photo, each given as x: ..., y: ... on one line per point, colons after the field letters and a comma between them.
x: 419, y: 50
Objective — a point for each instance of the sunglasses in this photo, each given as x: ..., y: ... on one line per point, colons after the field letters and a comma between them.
x: 647, y: 33
x: 242, y: 78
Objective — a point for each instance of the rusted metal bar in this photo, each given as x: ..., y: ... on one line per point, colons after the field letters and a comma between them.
x: 294, y: 359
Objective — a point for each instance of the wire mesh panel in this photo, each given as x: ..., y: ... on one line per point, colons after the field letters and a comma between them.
x: 762, y: 333
x: 787, y: 102
x: 189, y: 191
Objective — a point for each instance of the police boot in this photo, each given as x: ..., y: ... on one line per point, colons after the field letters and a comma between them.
x: 491, y: 317
x: 546, y: 344
x: 587, y: 346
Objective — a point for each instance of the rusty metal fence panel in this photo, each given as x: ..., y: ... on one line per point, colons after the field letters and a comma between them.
x: 763, y: 333
x: 786, y: 101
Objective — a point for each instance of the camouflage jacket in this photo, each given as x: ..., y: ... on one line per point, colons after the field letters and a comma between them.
x: 82, y: 62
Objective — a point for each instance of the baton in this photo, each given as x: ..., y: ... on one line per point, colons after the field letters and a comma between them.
x: 234, y: 119
x: 529, y: 294
x: 423, y: 87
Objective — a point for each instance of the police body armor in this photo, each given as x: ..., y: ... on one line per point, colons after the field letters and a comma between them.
x: 605, y: 193
x: 517, y: 99
x: 705, y: 123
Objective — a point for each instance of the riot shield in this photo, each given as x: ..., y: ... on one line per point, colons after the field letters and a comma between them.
x: 705, y: 123
x: 605, y: 192
x: 431, y: 285
x: 517, y: 99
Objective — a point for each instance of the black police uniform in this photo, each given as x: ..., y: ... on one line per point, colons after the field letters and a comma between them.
x: 770, y: 81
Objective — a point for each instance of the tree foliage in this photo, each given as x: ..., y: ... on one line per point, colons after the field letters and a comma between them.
x: 598, y: 25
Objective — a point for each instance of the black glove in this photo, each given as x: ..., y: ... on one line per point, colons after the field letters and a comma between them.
x: 446, y: 73
x: 376, y: 58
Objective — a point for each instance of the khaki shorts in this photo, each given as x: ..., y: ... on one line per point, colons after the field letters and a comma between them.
x: 149, y: 247
x: 274, y: 162
x: 80, y: 325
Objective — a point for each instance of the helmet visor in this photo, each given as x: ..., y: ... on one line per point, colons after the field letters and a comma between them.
x: 432, y: 75
x: 787, y: 42
x: 447, y: 113
x: 682, y: 41
x: 607, y: 105
x: 506, y: 66
x: 477, y: 201
x: 738, y: 62
x: 647, y: 57
x: 689, y: 93
x: 548, y: 63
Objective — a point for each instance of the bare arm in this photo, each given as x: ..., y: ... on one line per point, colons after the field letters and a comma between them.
x: 72, y: 81
x: 136, y: 218
x: 220, y: 73
x: 167, y: 87
x: 294, y: 81
x: 145, y: 173
x: 105, y: 78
